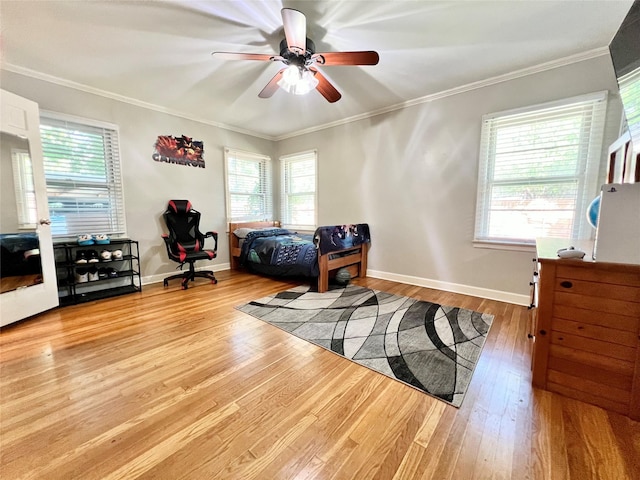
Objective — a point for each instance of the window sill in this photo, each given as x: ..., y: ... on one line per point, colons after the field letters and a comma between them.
x: 513, y: 246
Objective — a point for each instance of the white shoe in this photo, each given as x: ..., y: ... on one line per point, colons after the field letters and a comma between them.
x: 82, y: 276
x: 93, y: 274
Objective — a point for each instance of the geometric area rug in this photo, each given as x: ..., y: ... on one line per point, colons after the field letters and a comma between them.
x: 431, y: 347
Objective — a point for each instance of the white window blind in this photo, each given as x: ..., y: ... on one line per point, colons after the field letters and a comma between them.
x: 630, y: 94
x: 83, y: 175
x: 299, y: 190
x: 25, y: 191
x: 248, y: 186
x: 539, y: 170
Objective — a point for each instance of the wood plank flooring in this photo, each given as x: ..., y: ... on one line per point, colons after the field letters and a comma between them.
x: 170, y: 384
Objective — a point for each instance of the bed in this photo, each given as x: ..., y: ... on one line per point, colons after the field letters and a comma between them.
x: 265, y: 247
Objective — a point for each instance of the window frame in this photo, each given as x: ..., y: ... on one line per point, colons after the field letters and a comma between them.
x: 115, y: 224
x: 285, y: 194
x: 586, y: 175
x: 266, y: 175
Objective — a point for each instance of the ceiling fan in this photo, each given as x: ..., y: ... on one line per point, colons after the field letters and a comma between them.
x: 298, y: 53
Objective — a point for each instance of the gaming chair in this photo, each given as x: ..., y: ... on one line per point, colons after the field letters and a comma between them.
x: 185, y: 242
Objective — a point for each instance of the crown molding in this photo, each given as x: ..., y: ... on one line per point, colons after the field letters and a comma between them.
x: 542, y: 67
x: 121, y: 98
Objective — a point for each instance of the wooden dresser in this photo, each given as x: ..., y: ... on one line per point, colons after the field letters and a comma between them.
x: 585, y: 327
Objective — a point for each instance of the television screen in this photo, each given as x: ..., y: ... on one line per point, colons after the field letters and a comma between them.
x: 625, y: 54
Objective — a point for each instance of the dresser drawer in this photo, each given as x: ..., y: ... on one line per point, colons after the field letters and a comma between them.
x: 596, y: 332
x: 599, y: 347
x: 617, y: 275
x: 598, y: 304
x: 600, y: 290
x: 617, y: 380
x: 610, y: 320
x: 590, y: 359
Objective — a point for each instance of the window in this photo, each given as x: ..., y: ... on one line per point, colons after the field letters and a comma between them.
x: 539, y: 170
x: 248, y: 186
x: 82, y: 171
x: 299, y: 190
x: 24, y: 189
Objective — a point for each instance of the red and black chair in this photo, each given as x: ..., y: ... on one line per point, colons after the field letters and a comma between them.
x: 185, y: 242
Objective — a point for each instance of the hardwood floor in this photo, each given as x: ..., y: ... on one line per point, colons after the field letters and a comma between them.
x: 171, y: 384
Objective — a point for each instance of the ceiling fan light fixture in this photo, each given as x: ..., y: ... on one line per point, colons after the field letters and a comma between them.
x: 297, y: 80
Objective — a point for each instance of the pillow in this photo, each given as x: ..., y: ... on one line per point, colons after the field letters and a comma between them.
x: 243, y: 232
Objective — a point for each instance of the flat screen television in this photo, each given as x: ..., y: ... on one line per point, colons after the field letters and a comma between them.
x: 625, y: 54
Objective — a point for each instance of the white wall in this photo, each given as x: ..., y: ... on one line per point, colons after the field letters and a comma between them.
x: 148, y: 185
x: 411, y: 174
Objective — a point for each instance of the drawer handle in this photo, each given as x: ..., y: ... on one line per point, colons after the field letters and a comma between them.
x: 566, y: 284
x: 543, y: 332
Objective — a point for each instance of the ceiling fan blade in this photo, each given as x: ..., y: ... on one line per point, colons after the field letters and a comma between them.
x: 347, y: 58
x: 295, y: 30
x: 272, y: 86
x: 263, y: 57
x: 325, y: 88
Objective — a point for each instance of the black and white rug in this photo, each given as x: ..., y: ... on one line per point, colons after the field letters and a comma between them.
x: 431, y: 347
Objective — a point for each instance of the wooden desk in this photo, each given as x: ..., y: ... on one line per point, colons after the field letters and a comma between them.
x: 585, y: 327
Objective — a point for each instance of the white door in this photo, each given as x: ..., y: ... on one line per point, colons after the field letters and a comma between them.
x: 28, y: 273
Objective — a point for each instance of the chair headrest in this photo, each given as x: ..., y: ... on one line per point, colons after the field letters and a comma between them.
x: 179, y: 206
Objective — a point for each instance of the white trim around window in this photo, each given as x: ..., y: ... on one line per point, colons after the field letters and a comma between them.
x: 248, y: 186
x: 299, y: 186
x: 538, y: 171
x: 83, y: 174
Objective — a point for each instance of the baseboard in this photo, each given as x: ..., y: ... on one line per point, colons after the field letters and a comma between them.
x: 149, y: 279
x: 501, y: 296
x: 498, y: 295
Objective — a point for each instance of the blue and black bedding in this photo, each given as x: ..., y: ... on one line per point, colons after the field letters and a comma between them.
x: 277, y: 251
x: 281, y: 252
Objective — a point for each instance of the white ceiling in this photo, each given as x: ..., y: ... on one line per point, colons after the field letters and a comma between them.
x: 158, y: 53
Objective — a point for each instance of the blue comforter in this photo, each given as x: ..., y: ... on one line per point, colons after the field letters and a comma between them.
x: 280, y: 252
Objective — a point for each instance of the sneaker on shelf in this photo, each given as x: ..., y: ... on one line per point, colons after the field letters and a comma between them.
x: 112, y: 272
x: 85, y: 240
x: 92, y: 256
x: 105, y: 256
x: 102, y: 239
x: 93, y: 274
x: 82, y: 276
x: 116, y: 255
x: 81, y: 256
x: 102, y: 273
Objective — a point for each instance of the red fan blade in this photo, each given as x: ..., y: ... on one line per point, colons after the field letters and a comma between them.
x: 347, y: 58
x: 325, y: 88
x: 263, y: 57
x: 272, y: 86
x: 295, y: 30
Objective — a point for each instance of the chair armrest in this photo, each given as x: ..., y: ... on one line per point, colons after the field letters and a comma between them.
x: 213, y: 235
x: 165, y: 237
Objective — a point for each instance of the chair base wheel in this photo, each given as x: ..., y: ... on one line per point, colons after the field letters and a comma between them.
x: 190, y: 276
